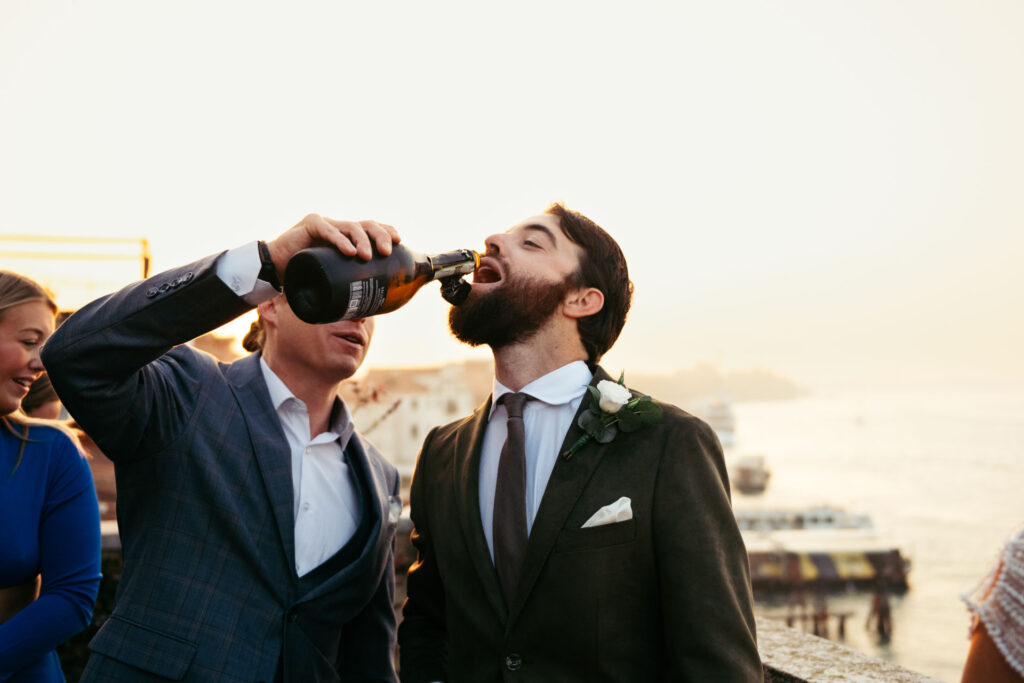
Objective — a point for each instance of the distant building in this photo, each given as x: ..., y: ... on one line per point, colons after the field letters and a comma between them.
x: 395, y: 408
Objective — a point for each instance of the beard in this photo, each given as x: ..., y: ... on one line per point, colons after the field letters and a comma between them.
x: 508, y: 314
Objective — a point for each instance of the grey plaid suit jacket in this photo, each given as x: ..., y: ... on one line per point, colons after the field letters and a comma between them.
x: 208, y: 589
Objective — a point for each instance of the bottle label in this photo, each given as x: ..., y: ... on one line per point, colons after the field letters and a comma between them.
x: 366, y: 297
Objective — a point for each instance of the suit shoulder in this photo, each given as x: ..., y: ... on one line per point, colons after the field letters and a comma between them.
x: 686, y: 438
x: 447, y: 431
x: 443, y: 433
x: 679, y: 421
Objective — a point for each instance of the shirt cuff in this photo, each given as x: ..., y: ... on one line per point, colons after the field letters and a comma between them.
x: 238, y: 268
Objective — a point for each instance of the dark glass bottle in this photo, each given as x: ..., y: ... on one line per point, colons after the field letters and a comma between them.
x: 323, y: 285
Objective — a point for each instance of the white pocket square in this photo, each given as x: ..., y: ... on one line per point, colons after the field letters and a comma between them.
x: 619, y: 511
x: 394, y: 509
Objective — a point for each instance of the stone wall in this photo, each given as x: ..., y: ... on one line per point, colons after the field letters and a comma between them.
x: 789, y: 655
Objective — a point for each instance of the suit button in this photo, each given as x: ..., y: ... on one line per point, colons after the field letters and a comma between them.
x: 513, y: 662
x: 292, y: 616
x: 151, y: 292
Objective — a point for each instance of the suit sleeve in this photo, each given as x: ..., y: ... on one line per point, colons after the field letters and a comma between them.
x: 703, y: 568
x: 422, y: 636
x: 110, y: 365
x: 368, y: 641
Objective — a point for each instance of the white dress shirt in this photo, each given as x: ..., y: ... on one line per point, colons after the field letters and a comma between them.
x: 546, y: 420
x: 326, y: 503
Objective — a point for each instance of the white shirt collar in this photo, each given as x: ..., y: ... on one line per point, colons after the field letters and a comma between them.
x: 556, y: 388
x: 280, y: 394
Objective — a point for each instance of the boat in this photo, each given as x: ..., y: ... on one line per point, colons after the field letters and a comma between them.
x: 717, y: 412
x: 824, y: 559
x: 812, y: 517
x: 749, y: 474
x: 819, y: 547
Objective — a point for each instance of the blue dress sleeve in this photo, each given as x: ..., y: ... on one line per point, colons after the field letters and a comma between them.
x: 69, y: 550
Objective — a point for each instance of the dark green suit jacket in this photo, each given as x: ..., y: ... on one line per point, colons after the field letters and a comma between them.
x: 664, y: 596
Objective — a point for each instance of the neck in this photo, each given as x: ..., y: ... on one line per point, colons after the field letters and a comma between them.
x: 312, y: 389
x: 516, y: 365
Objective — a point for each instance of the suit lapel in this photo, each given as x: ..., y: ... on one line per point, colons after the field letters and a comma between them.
x: 374, y: 485
x: 466, y: 455
x: 270, y: 446
x: 566, y: 484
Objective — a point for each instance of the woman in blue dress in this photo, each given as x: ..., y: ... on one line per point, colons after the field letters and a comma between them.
x: 49, y: 517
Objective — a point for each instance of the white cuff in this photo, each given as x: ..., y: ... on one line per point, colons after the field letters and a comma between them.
x: 239, y: 269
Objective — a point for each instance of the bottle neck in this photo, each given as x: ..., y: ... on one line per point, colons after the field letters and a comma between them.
x: 450, y: 263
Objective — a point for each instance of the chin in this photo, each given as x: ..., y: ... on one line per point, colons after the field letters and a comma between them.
x: 343, y: 368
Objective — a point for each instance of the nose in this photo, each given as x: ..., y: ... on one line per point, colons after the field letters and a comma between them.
x: 34, y: 363
x: 493, y: 244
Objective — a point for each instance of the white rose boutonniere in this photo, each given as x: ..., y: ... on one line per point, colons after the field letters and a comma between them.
x: 615, y: 408
x: 613, y: 396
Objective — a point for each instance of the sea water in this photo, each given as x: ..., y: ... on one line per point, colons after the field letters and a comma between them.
x: 939, y: 470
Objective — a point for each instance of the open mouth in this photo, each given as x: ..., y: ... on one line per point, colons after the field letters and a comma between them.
x: 487, y: 273
x: 23, y: 381
x: 351, y: 338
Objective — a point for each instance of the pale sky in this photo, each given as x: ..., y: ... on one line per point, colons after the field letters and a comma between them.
x: 828, y: 190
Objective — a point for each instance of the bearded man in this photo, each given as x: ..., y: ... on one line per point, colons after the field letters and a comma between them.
x: 548, y: 555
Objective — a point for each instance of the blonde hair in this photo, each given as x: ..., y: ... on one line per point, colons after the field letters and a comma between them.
x: 16, y: 290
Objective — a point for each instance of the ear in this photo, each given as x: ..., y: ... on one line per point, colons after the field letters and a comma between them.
x: 583, y: 302
x: 268, y: 310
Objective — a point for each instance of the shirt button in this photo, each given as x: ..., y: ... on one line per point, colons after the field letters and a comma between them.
x: 513, y: 662
x: 305, y: 506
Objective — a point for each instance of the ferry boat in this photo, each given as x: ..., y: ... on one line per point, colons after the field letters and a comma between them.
x: 717, y: 412
x: 821, y: 547
x: 749, y: 474
x: 812, y: 517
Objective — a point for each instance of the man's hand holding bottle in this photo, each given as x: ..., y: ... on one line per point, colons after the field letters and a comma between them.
x: 351, y: 238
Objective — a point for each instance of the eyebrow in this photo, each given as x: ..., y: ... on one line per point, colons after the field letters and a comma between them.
x: 542, y: 228
x: 32, y: 329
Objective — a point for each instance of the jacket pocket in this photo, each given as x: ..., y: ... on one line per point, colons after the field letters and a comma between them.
x: 596, y: 537
x: 144, y: 648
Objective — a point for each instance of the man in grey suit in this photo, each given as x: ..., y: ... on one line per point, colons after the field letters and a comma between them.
x: 545, y: 555
x: 256, y: 527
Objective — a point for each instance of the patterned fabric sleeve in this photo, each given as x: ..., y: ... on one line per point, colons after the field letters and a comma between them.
x: 998, y: 603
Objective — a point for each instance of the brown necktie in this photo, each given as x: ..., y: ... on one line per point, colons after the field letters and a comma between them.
x: 510, y: 499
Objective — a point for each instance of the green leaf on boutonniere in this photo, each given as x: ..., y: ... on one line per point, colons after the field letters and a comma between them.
x: 645, y: 412
x: 629, y: 420
x: 596, y: 426
x: 630, y: 414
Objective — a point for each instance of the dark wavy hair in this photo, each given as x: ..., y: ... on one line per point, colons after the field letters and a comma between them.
x: 602, y: 266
